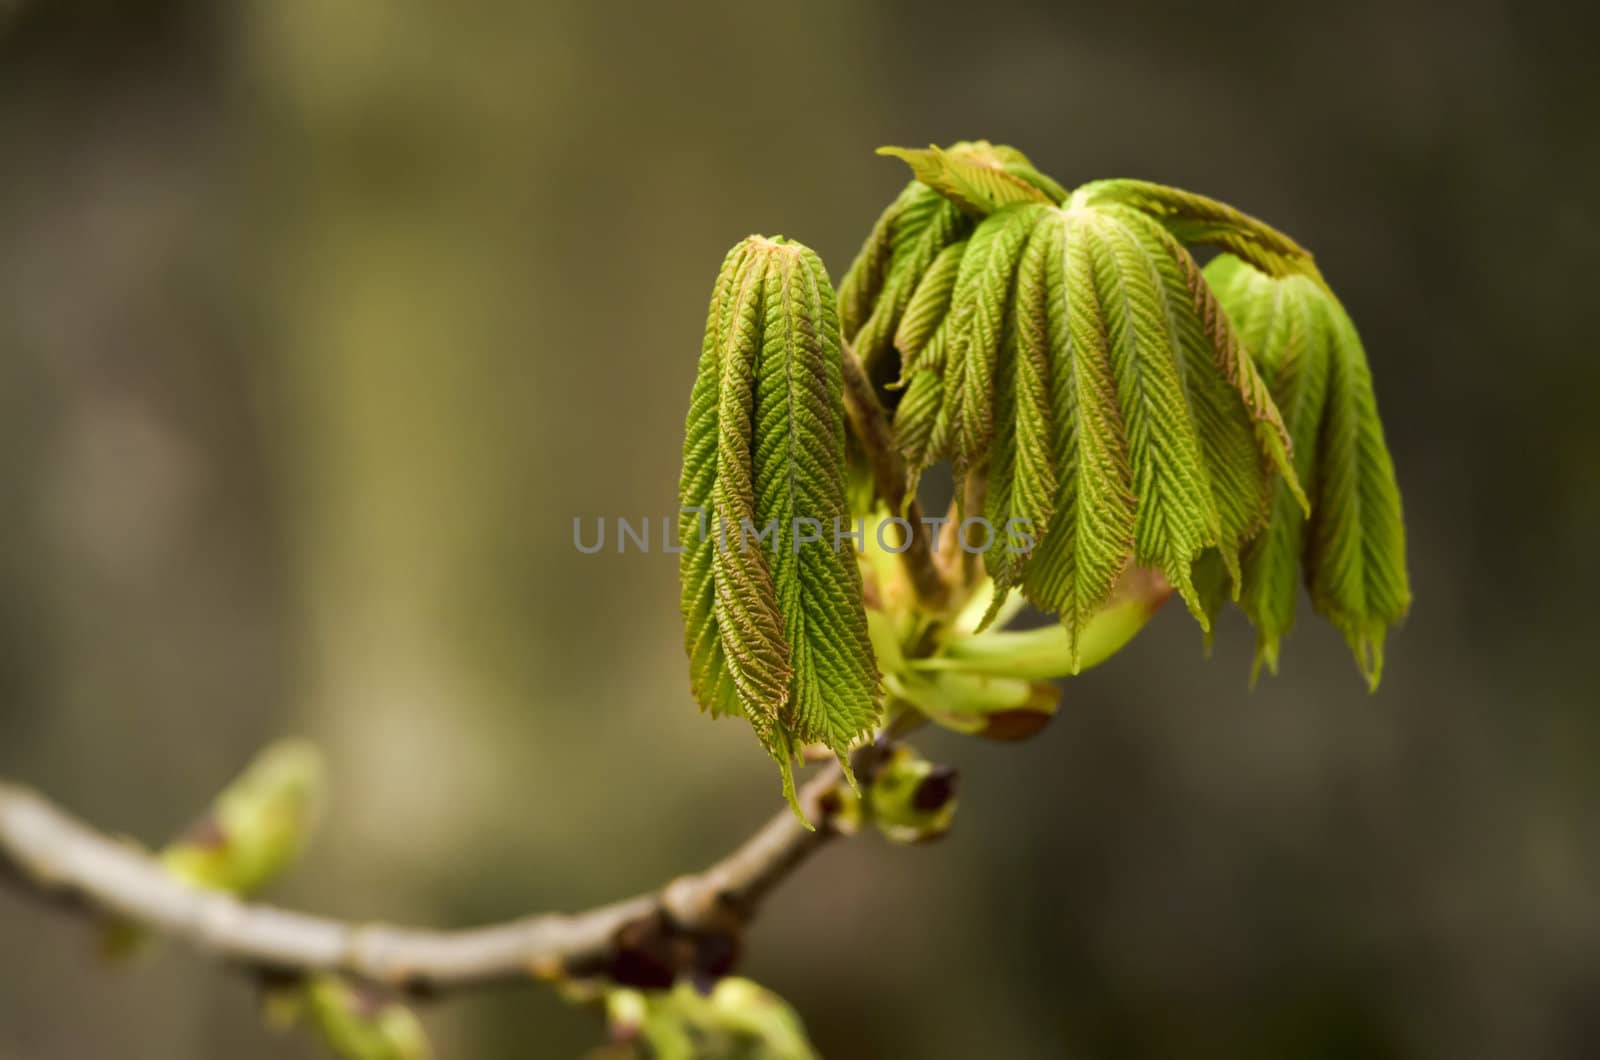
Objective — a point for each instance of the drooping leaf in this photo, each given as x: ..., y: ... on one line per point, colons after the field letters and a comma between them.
x: 1358, y: 572
x: 918, y: 414
x: 978, y: 308
x: 1276, y: 320
x: 928, y: 305
x: 733, y: 328
x: 1022, y: 474
x: 1241, y: 433
x: 1352, y: 551
x: 1197, y: 220
x: 1176, y: 516
x: 799, y: 451
x: 772, y: 606
x: 1084, y: 365
x: 947, y: 409
x: 1087, y: 534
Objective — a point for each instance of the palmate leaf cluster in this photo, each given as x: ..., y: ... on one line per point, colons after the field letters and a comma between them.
x: 1112, y: 404
x: 1069, y: 351
x: 1075, y: 357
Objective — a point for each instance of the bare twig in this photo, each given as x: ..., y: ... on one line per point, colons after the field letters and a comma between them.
x: 870, y: 425
x: 692, y: 926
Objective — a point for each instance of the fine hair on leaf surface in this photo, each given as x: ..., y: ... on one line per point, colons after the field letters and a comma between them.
x: 774, y: 627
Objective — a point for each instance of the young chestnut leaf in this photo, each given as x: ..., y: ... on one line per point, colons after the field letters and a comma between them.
x: 959, y: 365
x: 1084, y: 365
x: 876, y: 293
x: 772, y: 604
x: 1352, y: 548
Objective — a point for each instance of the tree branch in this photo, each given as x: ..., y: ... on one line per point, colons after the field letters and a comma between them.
x: 692, y: 926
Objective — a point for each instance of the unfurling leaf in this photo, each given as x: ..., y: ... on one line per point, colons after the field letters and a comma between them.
x: 1084, y: 366
x: 1352, y: 549
x: 772, y: 596
x: 912, y: 234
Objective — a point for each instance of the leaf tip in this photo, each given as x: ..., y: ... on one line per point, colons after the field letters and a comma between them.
x: 1191, y: 598
x: 1292, y: 481
x: 786, y: 765
x: 1266, y: 655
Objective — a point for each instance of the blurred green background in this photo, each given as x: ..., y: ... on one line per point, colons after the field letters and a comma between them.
x: 320, y: 321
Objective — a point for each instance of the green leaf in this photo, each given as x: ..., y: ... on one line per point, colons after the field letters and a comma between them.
x: 1352, y: 551
x: 1197, y: 220
x: 1357, y: 549
x: 1242, y: 436
x: 1277, y: 320
x: 947, y: 410
x: 799, y: 453
x: 978, y: 309
x: 1176, y: 516
x: 1087, y: 530
x: 975, y: 180
x: 1086, y: 367
x: 774, y: 625
x: 912, y: 233
x: 916, y: 417
x: 1022, y: 481
x: 928, y: 305
x: 876, y: 290
x: 733, y: 330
